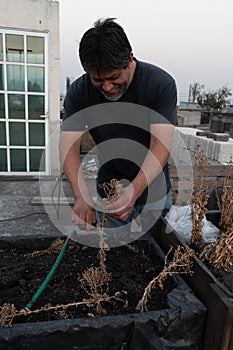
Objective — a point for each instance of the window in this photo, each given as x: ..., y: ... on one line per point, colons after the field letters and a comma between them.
x: 23, y: 100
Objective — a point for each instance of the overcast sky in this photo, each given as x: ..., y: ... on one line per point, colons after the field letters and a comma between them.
x: 192, y: 40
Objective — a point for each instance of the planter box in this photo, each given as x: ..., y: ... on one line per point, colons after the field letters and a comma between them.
x: 218, y: 333
x: 178, y: 326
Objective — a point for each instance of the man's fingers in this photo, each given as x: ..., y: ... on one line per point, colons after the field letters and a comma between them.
x: 84, y: 222
x: 117, y: 205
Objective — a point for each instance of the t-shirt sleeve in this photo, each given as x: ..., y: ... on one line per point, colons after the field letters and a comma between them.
x: 166, y: 103
x: 73, y: 119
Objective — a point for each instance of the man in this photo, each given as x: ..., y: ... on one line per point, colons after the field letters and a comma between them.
x: 129, y: 107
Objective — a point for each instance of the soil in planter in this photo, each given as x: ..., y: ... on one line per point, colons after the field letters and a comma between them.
x: 132, y: 267
x: 225, y: 277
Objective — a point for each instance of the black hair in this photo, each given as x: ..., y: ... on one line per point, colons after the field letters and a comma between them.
x: 104, y: 47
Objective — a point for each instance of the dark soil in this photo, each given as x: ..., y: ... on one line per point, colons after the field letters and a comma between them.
x: 226, y: 278
x: 131, y: 271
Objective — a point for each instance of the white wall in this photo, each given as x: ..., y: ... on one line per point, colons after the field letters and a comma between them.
x: 189, y: 117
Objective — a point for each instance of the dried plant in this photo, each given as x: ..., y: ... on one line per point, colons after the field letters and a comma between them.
x: 111, y: 189
x: 8, y: 311
x: 225, y: 203
x: 95, y: 279
x: 180, y: 264
x: 95, y: 282
x: 7, y: 314
x: 55, y: 247
x: 220, y: 254
x: 199, y: 196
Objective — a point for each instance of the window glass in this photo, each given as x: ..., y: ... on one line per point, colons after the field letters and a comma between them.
x: 1, y: 48
x: 2, y: 133
x: 17, y: 134
x: 2, y: 106
x: 36, y: 134
x: 35, y: 50
x: 36, y: 106
x: 16, y: 106
x: 15, y: 77
x: 37, y: 160
x: 1, y: 77
x: 14, y: 48
x: 18, y: 159
x: 3, y: 160
x: 35, y: 79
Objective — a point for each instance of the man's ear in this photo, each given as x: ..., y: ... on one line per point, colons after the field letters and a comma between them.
x: 131, y: 57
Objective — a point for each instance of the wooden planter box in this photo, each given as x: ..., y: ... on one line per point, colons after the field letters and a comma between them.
x: 178, y: 326
x: 218, y: 333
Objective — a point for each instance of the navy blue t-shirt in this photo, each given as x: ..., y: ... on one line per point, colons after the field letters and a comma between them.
x: 121, y: 129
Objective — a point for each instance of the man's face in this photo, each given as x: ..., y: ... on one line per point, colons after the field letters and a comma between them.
x: 112, y: 84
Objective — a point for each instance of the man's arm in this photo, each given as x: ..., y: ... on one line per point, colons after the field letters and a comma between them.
x: 155, y: 160
x: 83, y: 213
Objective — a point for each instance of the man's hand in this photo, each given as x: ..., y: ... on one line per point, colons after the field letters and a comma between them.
x: 123, y: 204
x: 84, y: 214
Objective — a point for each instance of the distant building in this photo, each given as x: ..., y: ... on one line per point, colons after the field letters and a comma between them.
x: 191, y: 106
x: 227, y: 109
x: 189, y: 113
x: 29, y: 87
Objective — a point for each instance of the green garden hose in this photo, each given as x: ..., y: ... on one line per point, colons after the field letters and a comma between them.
x: 50, y: 274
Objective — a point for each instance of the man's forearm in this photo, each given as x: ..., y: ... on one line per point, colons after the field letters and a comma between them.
x: 151, y: 168
x: 155, y: 160
x: 83, y: 212
x: 71, y: 163
x: 73, y: 171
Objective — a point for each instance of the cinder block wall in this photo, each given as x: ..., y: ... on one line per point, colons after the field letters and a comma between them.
x: 186, y: 140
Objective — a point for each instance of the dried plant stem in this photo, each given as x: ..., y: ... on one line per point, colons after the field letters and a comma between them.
x: 199, y: 196
x: 8, y: 311
x: 111, y: 189
x: 180, y: 264
x: 226, y: 202
x: 102, y: 245
x: 220, y: 254
x: 55, y: 247
x: 95, y: 279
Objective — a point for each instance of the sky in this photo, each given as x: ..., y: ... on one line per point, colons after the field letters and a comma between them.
x: 192, y: 40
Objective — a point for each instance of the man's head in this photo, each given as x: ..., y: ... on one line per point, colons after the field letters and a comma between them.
x: 104, y: 47
x: 106, y: 55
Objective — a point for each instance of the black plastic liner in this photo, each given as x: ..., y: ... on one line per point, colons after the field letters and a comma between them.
x: 218, y: 332
x: 178, y: 327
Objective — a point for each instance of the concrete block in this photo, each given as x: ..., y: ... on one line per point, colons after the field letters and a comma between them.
x: 186, y: 141
x: 225, y: 152
x: 220, y: 137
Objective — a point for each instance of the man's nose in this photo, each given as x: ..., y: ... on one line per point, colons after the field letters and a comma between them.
x: 107, y: 86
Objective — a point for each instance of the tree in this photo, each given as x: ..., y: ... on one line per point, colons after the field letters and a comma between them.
x: 215, y: 99
x: 195, y: 90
